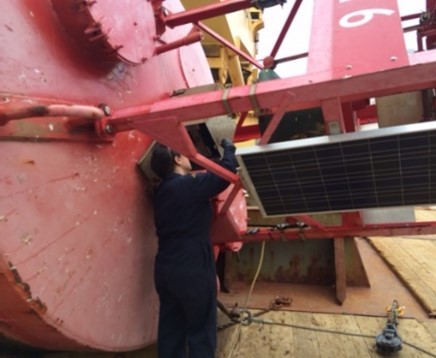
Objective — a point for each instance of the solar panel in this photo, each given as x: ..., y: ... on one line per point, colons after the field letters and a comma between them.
x: 386, y: 167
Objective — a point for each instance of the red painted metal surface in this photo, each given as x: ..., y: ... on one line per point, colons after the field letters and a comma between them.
x: 231, y: 219
x: 285, y: 28
x: 377, y: 26
x: 309, y: 91
x: 126, y: 31
x: 77, y: 236
x: 77, y: 239
x: 78, y: 242
x: 129, y: 27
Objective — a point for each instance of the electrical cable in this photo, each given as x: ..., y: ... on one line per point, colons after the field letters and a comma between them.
x: 419, y: 349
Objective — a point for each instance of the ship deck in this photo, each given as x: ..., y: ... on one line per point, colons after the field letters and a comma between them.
x: 315, y: 325
x: 304, y: 334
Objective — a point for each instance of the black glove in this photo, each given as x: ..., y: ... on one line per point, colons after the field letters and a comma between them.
x: 228, y: 144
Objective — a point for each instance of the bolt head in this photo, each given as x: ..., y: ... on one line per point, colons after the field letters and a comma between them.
x: 109, y: 129
x: 105, y: 108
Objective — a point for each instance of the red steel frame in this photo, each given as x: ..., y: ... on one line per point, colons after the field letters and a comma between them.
x: 339, y: 79
x: 338, y: 75
x: 332, y: 81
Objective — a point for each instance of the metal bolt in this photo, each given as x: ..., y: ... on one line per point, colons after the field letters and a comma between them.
x: 393, y: 58
x: 178, y: 92
x: 109, y: 129
x: 334, y: 127
x: 105, y: 108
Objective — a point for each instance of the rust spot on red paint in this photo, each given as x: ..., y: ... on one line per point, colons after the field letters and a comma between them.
x: 38, y: 110
x: 38, y: 304
x: 294, y: 273
x: 35, y: 302
x: 15, y: 273
x: 319, y: 272
x: 29, y: 161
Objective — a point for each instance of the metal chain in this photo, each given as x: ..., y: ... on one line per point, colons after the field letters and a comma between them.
x: 244, y: 316
x: 243, y: 321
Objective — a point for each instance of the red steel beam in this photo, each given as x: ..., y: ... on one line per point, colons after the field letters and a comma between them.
x: 332, y: 232
x: 246, y: 133
x: 309, y: 91
x: 218, y: 169
x: 173, y: 133
x: 431, y: 37
x: 285, y: 28
x: 275, y: 121
x: 228, y: 44
x: 410, y: 17
x: 291, y: 58
x: 431, y: 6
x: 310, y: 221
x: 192, y: 37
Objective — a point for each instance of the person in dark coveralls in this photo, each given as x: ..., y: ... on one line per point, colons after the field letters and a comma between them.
x: 185, y: 277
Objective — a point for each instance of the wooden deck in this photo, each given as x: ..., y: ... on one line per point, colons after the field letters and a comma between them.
x: 413, y: 259
x: 303, y: 334
x: 398, y: 268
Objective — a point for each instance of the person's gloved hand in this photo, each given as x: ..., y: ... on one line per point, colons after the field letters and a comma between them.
x: 228, y: 144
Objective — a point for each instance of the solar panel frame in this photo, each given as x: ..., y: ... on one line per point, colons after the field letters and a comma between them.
x: 381, y: 168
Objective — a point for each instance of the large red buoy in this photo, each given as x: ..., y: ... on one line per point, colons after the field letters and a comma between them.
x: 77, y: 240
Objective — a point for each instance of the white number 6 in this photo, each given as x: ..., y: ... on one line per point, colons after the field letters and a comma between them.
x: 364, y: 16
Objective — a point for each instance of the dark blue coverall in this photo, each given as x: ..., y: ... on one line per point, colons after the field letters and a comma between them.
x: 185, y: 277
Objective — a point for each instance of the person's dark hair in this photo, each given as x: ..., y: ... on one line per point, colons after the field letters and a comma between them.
x: 162, y: 160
